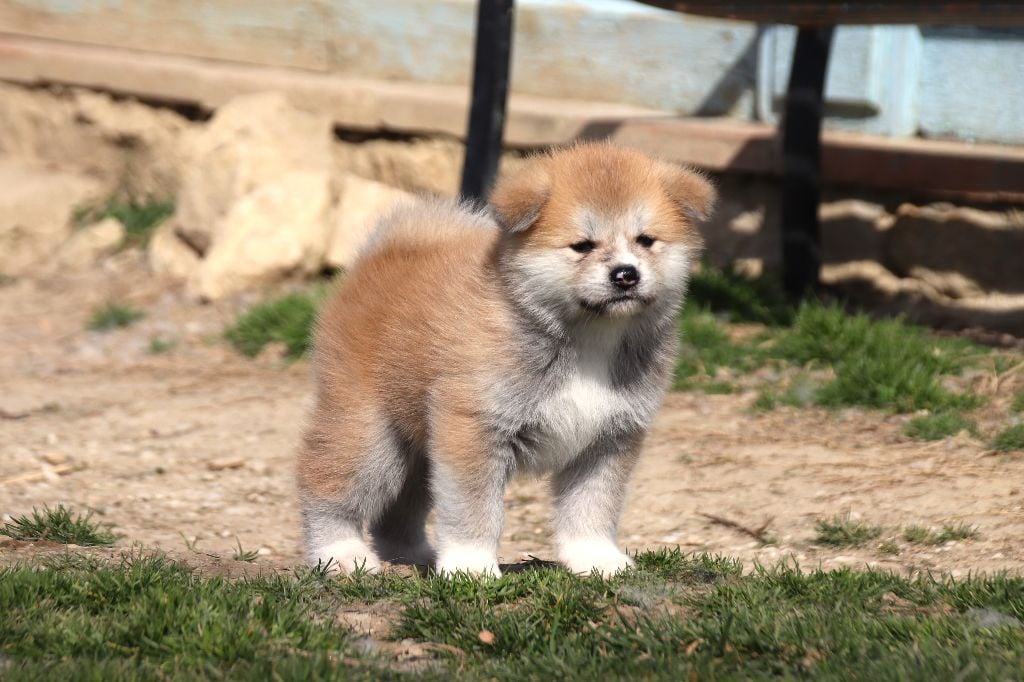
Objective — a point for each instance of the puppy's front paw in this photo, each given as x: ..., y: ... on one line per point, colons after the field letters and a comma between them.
x: 584, y: 556
x: 345, y: 556
x: 468, y: 559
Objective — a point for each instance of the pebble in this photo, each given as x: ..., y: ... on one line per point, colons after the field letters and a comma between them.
x: 225, y: 463
x: 53, y: 458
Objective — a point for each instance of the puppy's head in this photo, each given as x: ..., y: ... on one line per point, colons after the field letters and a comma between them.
x: 599, y: 230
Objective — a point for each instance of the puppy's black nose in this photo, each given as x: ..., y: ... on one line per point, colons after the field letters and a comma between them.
x: 625, y: 276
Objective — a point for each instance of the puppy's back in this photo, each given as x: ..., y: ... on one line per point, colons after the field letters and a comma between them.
x: 418, y: 304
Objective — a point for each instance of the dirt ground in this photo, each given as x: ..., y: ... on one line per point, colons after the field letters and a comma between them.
x: 190, y: 451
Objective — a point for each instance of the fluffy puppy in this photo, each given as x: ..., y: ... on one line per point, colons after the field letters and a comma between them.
x: 465, y: 346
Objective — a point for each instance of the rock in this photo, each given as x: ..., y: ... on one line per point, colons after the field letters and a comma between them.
x: 426, y: 165
x: 88, y: 245
x: 982, y: 246
x: 951, y: 284
x: 362, y: 204
x: 851, y: 230
x: 225, y: 463
x: 252, y: 141
x: 134, y: 148
x: 871, y: 285
x: 36, y: 207
x: 169, y: 256
x: 278, y: 230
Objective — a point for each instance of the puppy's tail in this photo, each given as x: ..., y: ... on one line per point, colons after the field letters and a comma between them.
x: 424, y: 221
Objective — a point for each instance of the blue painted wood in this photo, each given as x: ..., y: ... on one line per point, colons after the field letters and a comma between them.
x: 972, y: 84
x: 871, y: 83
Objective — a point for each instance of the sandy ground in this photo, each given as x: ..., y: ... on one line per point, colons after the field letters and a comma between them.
x: 191, y: 451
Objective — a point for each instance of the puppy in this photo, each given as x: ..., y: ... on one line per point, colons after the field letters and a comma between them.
x: 465, y: 346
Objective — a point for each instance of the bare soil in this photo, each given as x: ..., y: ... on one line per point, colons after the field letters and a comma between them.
x: 190, y: 451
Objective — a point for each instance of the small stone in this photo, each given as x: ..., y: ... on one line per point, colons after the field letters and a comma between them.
x: 264, y: 551
x: 88, y: 245
x: 487, y: 637
x: 54, y: 458
x: 225, y: 463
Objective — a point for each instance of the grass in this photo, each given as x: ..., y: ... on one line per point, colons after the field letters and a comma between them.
x: 919, y: 535
x: 288, y: 320
x: 140, y: 218
x: 675, y: 617
x: 158, y: 346
x: 58, y: 525
x: 885, y: 365
x: 114, y: 316
x: 739, y: 298
x: 705, y: 347
x: 842, y: 531
x: 877, y: 364
x: 1009, y: 439
x: 247, y: 555
x: 937, y: 426
x: 1017, y: 405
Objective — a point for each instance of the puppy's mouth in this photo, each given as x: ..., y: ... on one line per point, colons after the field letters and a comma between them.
x: 614, y: 303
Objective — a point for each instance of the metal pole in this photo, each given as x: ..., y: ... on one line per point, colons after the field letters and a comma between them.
x: 801, y: 161
x: 494, y: 24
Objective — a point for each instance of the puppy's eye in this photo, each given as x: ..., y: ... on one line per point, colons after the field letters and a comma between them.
x: 585, y: 246
x: 645, y: 240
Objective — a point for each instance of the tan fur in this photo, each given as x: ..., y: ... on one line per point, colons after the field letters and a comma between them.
x: 386, y: 336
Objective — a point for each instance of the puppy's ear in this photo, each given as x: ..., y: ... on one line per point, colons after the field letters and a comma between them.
x: 690, y: 191
x: 518, y: 199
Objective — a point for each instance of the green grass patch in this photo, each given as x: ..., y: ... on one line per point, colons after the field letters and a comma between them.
x: 739, y: 298
x: 675, y: 617
x: 705, y: 347
x: 920, y: 535
x: 886, y: 365
x: 1017, y: 404
x: 140, y: 218
x: 288, y: 320
x: 114, y: 316
x: 58, y: 525
x: 158, y: 346
x: 937, y: 426
x: 842, y: 531
x: 1009, y: 439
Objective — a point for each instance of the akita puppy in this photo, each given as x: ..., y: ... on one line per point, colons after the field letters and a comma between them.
x: 465, y: 346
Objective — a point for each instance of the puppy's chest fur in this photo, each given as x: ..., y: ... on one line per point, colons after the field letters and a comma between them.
x: 580, y: 404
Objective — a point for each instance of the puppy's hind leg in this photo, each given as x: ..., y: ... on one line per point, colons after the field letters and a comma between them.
x: 334, y: 538
x: 399, y: 535
x: 346, y: 481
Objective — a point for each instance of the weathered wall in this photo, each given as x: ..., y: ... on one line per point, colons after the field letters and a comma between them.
x: 948, y: 82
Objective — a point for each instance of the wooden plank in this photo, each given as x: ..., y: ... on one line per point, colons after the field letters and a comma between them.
x: 269, y: 32
x: 943, y: 168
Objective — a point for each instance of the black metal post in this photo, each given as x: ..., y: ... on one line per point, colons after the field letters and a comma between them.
x: 490, y: 90
x: 801, y: 161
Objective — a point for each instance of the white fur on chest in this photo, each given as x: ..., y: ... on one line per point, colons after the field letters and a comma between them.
x: 578, y: 412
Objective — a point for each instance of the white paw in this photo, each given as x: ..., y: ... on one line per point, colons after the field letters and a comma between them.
x: 468, y: 559
x: 345, y: 556
x: 584, y: 556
